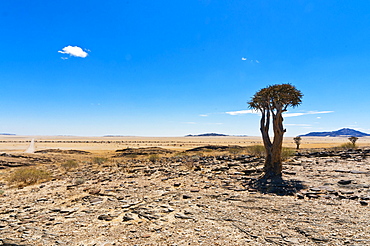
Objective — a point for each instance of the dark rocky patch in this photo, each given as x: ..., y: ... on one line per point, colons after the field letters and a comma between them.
x: 142, y: 151
x: 59, y: 151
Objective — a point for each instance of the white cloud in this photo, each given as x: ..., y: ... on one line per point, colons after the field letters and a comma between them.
x: 306, y: 113
x: 189, y: 123
x: 247, y: 111
x: 203, y: 115
x: 74, y: 51
x: 244, y: 59
x: 306, y: 125
x: 257, y: 61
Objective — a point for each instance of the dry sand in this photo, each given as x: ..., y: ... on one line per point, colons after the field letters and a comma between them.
x: 97, y: 144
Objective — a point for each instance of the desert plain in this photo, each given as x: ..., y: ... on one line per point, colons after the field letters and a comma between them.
x: 155, y: 191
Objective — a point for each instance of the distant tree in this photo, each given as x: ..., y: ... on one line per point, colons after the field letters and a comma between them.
x: 353, y: 140
x: 272, y: 101
x: 297, y: 141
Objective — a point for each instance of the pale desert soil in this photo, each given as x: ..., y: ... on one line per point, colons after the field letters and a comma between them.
x: 191, y: 199
x: 96, y: 144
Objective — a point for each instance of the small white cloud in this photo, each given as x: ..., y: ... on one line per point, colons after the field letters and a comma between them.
x: 214, y: 123
x: 74, y: 51
x: 247, y: 111
x: 318, y: 117
x: 244, y: 59
x: 189, y: 123
x: 64, y: 58
x: 305, y: 125
x: 203, y: 115
x: 257, y: 61
x: 309, y: 112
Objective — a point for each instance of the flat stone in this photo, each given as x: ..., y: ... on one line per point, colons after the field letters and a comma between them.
x: 344, y: 182
x: 358, y: 172
x: 181, y: 216
x: 363, y: 203
x: 105, y: 217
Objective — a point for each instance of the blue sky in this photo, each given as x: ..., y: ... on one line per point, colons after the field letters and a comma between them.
x: 171, y: 68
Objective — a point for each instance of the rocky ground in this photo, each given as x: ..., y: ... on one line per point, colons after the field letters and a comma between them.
x: 186, y: 199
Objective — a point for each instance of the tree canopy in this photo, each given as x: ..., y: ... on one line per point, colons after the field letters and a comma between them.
x: 276, y: 97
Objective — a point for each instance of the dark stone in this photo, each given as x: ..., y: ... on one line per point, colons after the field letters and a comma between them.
x: 300, y: 196
x: 127, y: 218
x: 105, y: 217
x: 363, y: 203
x: 344, y: 182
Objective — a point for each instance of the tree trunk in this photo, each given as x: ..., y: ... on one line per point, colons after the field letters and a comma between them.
x: 273, y: 164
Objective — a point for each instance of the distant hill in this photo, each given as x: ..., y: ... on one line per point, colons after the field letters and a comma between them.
x: 7, y: 134
x: 345, y: 132
x: 207, y: 135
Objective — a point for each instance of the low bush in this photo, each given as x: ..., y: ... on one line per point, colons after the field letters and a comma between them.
x: 70, y: 164
x: 79, y: 181
x: 256, y: 150
x: 99, y: 160
x: 235, y: 150
x: 259, y: 151
x: 286, y: 153
x: 347, y: 146
x: 28, y: 176
x: 153, y: 158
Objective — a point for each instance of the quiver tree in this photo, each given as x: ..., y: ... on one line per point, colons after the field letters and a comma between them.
x: 272, y: 101
x: 297, y: 141
x: 353, y: 140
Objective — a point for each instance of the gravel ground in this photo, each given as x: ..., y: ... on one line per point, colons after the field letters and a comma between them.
x: 188, y: 200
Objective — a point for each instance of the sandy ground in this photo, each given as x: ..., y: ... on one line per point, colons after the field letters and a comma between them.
x: 96, y: 144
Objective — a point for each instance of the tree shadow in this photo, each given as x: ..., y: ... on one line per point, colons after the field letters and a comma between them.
x: 277, y: 185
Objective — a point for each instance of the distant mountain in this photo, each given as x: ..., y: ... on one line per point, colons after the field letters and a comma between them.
x: 345, y: 132
x: 207, y: 135
x: 7, y: 134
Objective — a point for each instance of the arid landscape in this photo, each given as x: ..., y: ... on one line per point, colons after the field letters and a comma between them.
x: 168, y: 191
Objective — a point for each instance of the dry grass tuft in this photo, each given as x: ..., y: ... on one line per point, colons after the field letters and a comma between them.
x: 70, y: 164
x: 99, y: 160
x: 346, y: 146
x: 153, y: 158
x: 256, y: 150
x: 286, y: 153
x: 29, y: 176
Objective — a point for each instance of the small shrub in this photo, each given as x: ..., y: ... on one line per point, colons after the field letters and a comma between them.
x: 189, y: 164
x: 70, y: 164
x: 297, y: 141
x: 29, y: 176
x: 353, y: 141
x: 181, y: 154
x: 79, y: 181
x: 2, y: 192
x: 132, y: 156
x: 286, y: 153
x: 235, y: 150
x: 99, y: 160
x: 153, y: 158
x: 256, y: 150
x: 347, y: 146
